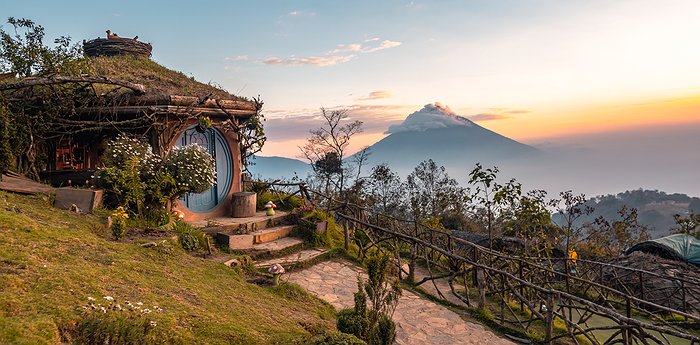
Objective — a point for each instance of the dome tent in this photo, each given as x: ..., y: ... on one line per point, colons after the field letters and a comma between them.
x: 680, y: 247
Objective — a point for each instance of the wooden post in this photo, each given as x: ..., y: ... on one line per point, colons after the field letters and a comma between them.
x: 475, y: 278
x: 520, y: 275
x: 641, y: 285
x: 481, y: 286
x: 549, y: 318
x: 412, y: 263
x: 626, y: 334
x: 503, y: 299
x: 683, y: 305
x: 346, y: 234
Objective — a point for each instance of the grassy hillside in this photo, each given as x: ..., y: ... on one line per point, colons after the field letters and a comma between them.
x: 51, y: 261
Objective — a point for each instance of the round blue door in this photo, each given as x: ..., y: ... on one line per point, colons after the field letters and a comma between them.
x: 213, y: 141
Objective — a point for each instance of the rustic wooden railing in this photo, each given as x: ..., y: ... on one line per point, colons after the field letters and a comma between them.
x: 596, y: 305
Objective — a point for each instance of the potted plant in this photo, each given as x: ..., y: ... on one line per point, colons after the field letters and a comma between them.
x: 204, y: 124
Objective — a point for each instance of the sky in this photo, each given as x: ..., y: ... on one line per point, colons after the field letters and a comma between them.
x: 540, y: 72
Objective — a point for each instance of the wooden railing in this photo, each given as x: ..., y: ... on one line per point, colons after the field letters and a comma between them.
x: 595, y: 305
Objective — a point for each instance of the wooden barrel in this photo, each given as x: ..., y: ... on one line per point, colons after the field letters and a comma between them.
x: 243, y: 204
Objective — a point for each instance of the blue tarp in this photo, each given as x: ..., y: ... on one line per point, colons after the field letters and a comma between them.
x: 686, y: 246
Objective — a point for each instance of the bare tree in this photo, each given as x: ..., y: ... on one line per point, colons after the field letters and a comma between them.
x: 333, y: 137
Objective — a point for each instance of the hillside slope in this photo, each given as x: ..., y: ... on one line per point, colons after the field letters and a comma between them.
x: 51, y: 261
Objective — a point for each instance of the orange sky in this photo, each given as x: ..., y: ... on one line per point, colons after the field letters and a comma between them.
x: 539, y: 125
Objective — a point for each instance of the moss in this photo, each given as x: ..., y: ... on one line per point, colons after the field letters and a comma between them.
x: 156, y: 78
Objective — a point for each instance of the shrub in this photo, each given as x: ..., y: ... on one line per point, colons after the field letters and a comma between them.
x: 288, y: 203
x: 119, y: 223
x: 348, y: 321
x: 191, y: 238
x: 192, y: 167
x: 306, y: 228
x: 372, y: 321
x: 337, y: 338
x: 141, y: 181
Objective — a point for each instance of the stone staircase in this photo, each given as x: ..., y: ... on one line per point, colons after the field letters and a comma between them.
x: 264, y: 238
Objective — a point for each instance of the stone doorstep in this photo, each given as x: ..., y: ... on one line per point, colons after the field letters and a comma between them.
x: 294, y: 259
x: 227, y: 225
x: 247, y: 241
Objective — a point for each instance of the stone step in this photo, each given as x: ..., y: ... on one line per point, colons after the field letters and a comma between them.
x: 230, y: 225
x: 277, y: 248
x: 296, y: 260
x: 273, y: 249
x: 248, y: 240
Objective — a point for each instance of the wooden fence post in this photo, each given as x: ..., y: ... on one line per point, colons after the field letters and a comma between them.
x: 346, y: 234
x: 549, y: 318
x: 412, y: 263
x: 481, y: 286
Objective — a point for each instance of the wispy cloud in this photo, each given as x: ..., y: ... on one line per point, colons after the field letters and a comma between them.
x: 300, y: 13
x: 487, y: 117
x: 353, y: 47
x: 295, y: 123
x: 237, y: 58
x: 340, y: 54
x: 374, y: 95
x: 384, y: 45
x: 311, y: 60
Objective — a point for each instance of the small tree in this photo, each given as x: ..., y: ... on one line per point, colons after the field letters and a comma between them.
x: 612, y: 238
x: 432, y: 192
x: 492, y: 196
x: 572, y: 208
x: 385, y: 190
x: 375, y: 303
x: 688, y: 225
x: 331, y: 141
x: 23, y: 52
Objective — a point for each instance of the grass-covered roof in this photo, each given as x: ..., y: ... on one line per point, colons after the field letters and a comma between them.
x: 158, y: 80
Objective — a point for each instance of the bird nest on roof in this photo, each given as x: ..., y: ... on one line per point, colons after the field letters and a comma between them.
x: 116, y: 46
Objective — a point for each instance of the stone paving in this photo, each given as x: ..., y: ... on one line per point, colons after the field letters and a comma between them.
x: 418, y: 320
x: 302, y: 256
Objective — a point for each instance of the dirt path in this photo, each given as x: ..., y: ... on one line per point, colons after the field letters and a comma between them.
x: 418, y: 320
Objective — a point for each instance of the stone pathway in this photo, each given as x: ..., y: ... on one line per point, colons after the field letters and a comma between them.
x: 418, y: 321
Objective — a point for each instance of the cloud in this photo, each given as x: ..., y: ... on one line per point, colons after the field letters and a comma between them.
x: 385, y: 45
x: 488, y: 117
x: 374, y: 95
x: 372, y: 39
x: 281, y: 124
x: 300, y: 13
x: 353, y: 47
x: 311, y: 60
x: 517, y: 111
x: 334, y: 57
x: 236, y: 58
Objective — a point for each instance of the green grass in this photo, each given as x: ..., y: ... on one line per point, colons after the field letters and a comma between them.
x: 52, y: 260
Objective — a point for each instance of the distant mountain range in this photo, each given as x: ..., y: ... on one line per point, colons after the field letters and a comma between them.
x: 655, y: 209
x: 436, y: 132
x: 273, y: 168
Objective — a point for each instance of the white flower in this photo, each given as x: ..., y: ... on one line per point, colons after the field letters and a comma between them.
x: 109, y: 298
x: 153, y: 324
x: 90, y: 298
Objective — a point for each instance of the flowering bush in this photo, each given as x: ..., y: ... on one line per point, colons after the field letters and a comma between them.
x: 119, y: 218
x: 106, y: 321
x: 123, y: 148
x: 139, y: 180
x: 192, y: 167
